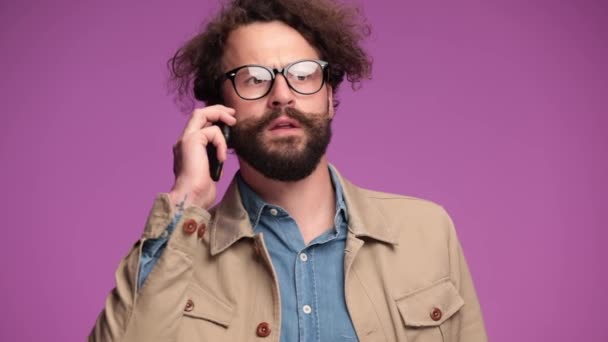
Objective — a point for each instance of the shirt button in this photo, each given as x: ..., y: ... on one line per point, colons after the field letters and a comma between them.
x: 189, y: 227
x: 263, y: 329
x: 436, y: 314
x: 307, y: 309
x: 303, y: 257
x: 274, y: 212
x: 164, y: 234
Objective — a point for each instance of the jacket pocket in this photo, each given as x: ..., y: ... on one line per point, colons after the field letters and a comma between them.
x: 201, y: 304
x: 426, y: 312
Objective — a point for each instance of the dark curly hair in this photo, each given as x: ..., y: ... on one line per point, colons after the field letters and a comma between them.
x: 334, y: 29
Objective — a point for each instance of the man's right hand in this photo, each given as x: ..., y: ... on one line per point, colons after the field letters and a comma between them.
x: 193, y: 184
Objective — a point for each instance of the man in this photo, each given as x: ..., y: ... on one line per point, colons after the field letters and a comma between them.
x: 293, y: 252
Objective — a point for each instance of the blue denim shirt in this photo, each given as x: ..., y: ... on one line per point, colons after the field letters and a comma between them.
x: 311, y: 277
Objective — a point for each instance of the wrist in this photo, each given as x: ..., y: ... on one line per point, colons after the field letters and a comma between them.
x: 183, y: 199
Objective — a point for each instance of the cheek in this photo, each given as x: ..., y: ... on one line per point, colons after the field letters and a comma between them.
x: 322, y: 104
x: 232, y: 100
x: 228, y: 94
x: 245, y: 109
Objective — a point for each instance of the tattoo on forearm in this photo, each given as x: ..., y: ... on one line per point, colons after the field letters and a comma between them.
x: 180, y: 211
x: 180, y: 206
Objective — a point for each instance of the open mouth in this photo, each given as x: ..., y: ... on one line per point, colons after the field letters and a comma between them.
x: 283, y: 123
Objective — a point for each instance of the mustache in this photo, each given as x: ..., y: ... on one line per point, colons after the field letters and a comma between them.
x: 289, y: 112
x: 305, y: 120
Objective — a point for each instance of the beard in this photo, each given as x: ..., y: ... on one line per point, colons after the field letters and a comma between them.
x: 283, y: 158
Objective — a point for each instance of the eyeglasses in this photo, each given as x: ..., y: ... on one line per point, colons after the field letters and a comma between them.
x: 252, y: 82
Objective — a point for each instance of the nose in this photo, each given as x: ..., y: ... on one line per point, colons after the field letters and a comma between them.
x: 281, y: 95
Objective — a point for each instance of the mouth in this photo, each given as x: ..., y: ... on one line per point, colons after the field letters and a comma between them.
x: 283, y: 123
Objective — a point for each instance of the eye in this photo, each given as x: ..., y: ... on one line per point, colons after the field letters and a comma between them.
x: 254, y: 81
x: 253, y: 76
x: 300, y: 77
x: 304, y: 71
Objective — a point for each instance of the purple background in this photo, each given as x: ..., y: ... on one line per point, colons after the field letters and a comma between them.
x: 496, y: 110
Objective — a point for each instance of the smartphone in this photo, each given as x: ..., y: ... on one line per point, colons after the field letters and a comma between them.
x: 215, y: 166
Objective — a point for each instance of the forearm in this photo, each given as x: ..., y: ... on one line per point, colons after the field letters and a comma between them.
x: 112, y: 321
x: 152, y: 312
x: 153, y: 248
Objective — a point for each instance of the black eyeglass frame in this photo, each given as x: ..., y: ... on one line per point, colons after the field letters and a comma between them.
x: 282, y: 71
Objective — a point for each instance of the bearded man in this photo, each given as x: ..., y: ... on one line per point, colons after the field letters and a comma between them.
x: 293, y: 252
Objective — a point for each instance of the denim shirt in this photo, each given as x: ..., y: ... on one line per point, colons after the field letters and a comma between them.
x: 311, y: 277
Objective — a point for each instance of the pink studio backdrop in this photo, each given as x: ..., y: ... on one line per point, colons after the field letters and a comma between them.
x: 496, y: 110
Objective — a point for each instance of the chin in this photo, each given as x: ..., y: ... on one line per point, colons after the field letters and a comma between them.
x: 285, y: 143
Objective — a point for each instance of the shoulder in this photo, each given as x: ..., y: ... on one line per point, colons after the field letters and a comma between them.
x: 391, y: 201
x: 397, y: 204
x: 405, y: 217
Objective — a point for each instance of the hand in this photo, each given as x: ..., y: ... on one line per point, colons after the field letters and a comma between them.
x: 193, y: 183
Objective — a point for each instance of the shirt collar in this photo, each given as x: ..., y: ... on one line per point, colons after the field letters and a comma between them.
x: 254, y: 204
x: 365, y: 217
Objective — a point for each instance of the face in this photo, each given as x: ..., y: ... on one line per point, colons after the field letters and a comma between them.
x: 284, y: 134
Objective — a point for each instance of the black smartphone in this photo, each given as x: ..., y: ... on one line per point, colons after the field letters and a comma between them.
x: 215, y: 166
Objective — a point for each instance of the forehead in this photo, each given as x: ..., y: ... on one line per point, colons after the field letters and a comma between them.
x: 272, y: 44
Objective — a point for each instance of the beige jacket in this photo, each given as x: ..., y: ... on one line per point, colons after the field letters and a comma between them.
x: 406, y: 278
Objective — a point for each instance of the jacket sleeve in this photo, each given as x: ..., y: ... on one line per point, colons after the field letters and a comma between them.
x: 152, y: 313
x: 469, y: 325
x: 152, y: 249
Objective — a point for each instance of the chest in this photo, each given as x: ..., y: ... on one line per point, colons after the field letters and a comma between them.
x: 237, y: 296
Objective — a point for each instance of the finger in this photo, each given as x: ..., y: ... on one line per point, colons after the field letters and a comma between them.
x: 204, y: 117
x: 213, y: 135
x: 208, y: 135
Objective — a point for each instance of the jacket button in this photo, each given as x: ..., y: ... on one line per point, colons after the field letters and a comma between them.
x: 189, y: 305
x: 263, y: 329
x: 189, y: 227
x: 201, y: 230
x: 436, y: 314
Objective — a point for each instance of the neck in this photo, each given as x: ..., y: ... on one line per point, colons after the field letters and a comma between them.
x: 310, y: 201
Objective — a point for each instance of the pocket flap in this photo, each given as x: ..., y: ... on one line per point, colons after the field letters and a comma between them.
x: 430, y: 306
x: 200, y: 303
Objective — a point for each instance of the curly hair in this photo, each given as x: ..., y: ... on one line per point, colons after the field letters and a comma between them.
x: 335, y: 29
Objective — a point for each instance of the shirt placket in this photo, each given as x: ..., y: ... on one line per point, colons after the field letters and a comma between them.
x: 286, y: 239
x: 306, y: 296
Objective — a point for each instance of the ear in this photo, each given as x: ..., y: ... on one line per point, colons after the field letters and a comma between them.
x: 330, y: 102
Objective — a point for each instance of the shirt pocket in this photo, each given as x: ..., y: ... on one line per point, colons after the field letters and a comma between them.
x: 206, y: 317
x: 426, y: 312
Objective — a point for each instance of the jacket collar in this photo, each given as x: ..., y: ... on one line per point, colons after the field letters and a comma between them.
x: 364, y: 216
x: 231, y: 222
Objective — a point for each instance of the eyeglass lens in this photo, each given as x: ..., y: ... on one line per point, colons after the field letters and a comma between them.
x: 305, y: 77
